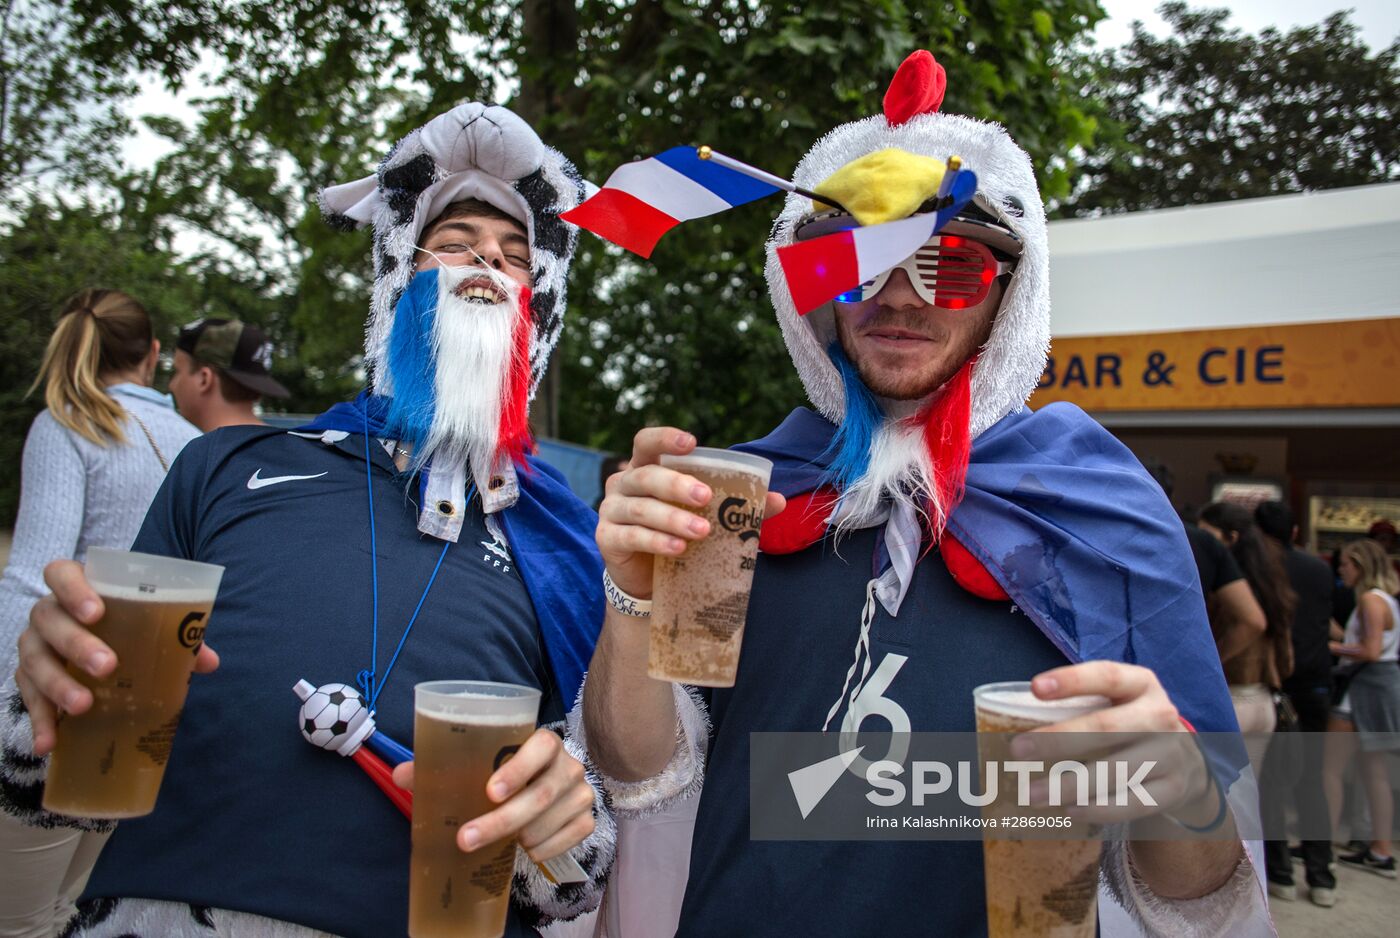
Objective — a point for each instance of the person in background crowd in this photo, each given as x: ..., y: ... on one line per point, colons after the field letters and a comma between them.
x: 1384, y: 534
x: 1236, y: 618
x: 1367, y: 712
x: 1255, y: 668
x: 92, y: 463
x: 222, y: 369
x: 1309, y: 688
x: 1343, y: 596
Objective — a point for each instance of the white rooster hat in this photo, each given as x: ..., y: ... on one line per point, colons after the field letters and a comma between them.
x: 1009, y: 367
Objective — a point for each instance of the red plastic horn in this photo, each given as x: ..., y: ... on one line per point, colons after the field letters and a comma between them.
x: 383, y: 776
x: 917, y: 88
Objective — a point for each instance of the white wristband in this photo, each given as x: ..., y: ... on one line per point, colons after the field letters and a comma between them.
x: 625, y: 603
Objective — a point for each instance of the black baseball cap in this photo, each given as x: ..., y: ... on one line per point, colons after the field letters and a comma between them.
x: 238, y: 349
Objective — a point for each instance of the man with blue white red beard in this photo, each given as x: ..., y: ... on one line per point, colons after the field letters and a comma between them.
x: 924, y: 517
x: 406, y: 536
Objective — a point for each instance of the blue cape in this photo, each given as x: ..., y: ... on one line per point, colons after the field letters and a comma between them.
x: 1082, y: 539
x: 551, y: 537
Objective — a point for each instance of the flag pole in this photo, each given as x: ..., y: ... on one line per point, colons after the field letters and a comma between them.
x: 945, y: 188
x: 728, y: 162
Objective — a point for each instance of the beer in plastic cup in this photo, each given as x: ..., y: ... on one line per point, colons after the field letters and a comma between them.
x: 109, y: 761
x: 700, y: 599
x: 463, y: 731
x: 1041, y: 888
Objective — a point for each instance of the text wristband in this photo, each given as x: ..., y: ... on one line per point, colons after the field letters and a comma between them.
x: 625, y: 603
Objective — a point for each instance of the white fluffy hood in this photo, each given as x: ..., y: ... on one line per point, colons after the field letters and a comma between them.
x: 1010, y: 365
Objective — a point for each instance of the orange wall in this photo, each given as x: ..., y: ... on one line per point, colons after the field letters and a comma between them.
x: 1336, y: 364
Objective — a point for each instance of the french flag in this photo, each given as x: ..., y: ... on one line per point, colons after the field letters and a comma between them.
x: 642, y: 201
x: 820, y: 270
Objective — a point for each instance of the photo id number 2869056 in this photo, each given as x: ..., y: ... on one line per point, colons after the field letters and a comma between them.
x: 1047, y: 821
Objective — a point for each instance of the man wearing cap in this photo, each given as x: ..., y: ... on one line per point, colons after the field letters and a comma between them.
x: 936, y: 536
x: 407, y: 536
x: 222, y: 368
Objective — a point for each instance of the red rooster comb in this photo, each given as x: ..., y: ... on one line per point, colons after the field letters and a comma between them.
x: 917, y: 88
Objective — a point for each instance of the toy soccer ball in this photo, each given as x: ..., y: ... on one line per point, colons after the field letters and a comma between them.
x: 333, y: 716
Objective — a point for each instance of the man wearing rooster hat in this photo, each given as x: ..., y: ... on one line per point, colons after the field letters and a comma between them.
x: 407, y: 536
x: 949, y: 535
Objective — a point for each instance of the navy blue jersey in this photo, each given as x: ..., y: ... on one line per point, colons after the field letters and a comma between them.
x: 804, y: 617
x: 251, y: 817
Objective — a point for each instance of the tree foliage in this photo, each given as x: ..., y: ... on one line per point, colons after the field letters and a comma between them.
x: 689, y: 337
x: 59, y: 114
x: 1210, y: 113
x: 299, y: 94
x: 58, y: 246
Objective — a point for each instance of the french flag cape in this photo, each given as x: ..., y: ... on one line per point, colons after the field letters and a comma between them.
x: 1063, y: 516
x: 551, y: 537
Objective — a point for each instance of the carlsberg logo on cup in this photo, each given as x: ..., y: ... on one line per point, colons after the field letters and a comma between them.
x: 192, y: 630
x: 735, y: 514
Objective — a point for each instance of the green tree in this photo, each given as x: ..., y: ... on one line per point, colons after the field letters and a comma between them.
x: 58, y: 246
x: 689, y: 337
x: 305, y: 93
x: 60, y: 111
x: 1210, y: 113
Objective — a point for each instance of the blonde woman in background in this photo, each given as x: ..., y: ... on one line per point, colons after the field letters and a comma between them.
x: 1368, y: 712
x: 92, y: 463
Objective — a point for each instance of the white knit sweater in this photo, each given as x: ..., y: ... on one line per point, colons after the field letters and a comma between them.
x: 75, y: 495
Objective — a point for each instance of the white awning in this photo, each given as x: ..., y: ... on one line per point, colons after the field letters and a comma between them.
x: 1316, y: 257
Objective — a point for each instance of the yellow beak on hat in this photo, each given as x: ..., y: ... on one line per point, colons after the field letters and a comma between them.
x: 883, y: 186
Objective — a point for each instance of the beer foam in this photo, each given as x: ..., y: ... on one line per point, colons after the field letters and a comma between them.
x: 1027, y: 706
x: 480, y: 719
x: 444, y: 707
x: 719, y: 465
x: 162, y: 594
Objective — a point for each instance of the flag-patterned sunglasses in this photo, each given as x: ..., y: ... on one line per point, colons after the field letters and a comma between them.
x: 949, y: 272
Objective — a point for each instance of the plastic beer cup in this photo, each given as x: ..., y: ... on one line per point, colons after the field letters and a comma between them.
x: 1041, y: 888
x: 701, y: 598
x: 109, y: 761
x: 463, y: 731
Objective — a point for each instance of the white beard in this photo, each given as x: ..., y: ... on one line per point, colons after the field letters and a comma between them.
x: 473, y: 349
x: 900, y: 471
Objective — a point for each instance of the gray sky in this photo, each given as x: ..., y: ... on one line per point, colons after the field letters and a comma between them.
x: 1379, y: 19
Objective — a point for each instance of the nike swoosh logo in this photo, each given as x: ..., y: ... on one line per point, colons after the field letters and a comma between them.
x: 258, y: 482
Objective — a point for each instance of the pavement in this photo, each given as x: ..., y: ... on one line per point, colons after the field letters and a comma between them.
x: 1367, y: 907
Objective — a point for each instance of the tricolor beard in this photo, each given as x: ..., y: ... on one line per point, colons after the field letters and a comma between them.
x: 481, y: 370
x: 920, y: 461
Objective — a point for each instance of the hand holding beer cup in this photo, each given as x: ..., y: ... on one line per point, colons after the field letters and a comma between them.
x: 680, y: 527
x: 643, y: 516
x: 1139, y: 726
x: 58, y: 637
x: 475, y: 745
x: 109, y: 760
x: 544, y: 799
